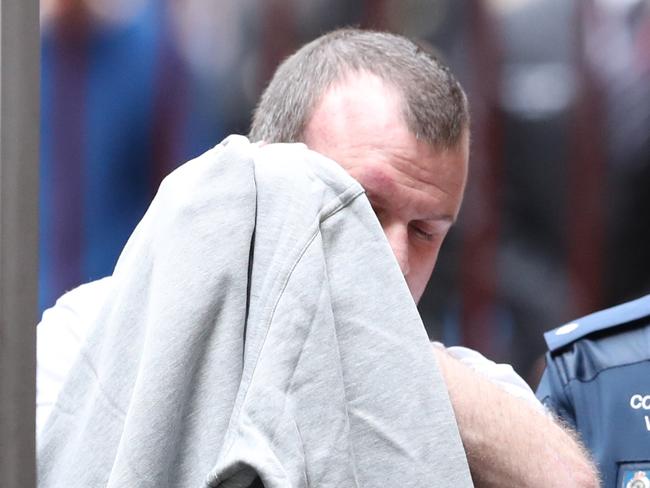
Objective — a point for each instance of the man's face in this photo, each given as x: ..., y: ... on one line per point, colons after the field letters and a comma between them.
x: 415, y: 189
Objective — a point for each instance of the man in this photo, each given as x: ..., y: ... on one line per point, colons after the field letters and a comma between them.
x: 397, y: 121
x: 597, y: 370
x: 365, y: 100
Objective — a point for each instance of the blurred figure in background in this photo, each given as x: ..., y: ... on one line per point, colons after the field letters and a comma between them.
x: 116, y: 117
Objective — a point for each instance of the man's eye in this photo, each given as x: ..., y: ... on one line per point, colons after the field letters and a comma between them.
x: 422, y: 234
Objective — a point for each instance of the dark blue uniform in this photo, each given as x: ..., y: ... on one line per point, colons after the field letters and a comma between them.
x: 597, y: 379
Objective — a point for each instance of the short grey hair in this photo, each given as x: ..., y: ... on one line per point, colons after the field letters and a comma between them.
x: 435, y: 108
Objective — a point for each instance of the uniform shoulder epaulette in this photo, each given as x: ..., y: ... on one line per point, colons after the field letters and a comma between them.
x: 604, y: 319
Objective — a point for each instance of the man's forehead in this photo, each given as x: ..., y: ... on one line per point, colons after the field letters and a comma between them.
x: 356, y: 117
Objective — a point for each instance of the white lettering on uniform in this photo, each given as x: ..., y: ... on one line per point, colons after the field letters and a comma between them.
x: 647, y: 423
x: 638, y: 401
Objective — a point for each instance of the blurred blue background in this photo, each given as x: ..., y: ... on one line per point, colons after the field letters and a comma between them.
x: 554, y: 220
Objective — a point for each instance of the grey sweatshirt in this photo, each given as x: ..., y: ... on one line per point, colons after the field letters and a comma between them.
x: 257, y: 325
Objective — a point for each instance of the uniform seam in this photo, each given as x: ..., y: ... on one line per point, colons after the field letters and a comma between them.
x: 605, y: 369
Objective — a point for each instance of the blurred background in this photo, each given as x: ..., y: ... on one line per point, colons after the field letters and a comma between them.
x: 554, y: 220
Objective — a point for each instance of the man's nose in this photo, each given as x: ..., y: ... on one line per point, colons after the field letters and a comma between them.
x: 398, y: 238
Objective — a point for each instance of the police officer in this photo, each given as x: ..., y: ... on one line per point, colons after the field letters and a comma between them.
x: 597, y: 379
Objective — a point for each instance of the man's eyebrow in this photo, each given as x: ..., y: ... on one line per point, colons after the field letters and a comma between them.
x: 377, y: 199
x: 440, y: 218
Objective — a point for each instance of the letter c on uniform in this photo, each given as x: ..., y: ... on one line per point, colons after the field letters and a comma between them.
x: 637, y: 401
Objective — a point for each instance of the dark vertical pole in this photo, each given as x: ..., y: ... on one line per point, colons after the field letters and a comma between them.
x: 279, y: 37
x: 586, y: 174
x: 171, y: 102
x: 19, y: 123
x: 67, y: 175
x: 481, y: 213
x: 374, y: 15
